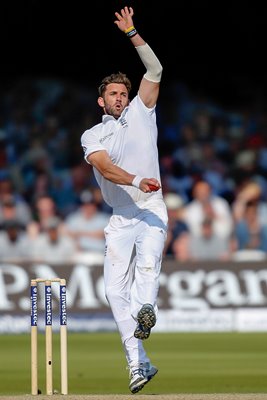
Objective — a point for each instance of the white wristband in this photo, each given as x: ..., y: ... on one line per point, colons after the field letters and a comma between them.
x: 136, y: 181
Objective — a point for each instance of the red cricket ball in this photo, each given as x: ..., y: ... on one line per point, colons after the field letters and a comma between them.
x: 153, y: 188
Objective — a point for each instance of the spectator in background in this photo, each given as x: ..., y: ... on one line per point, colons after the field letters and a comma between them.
x: 12, y: 205
x: 176, y: 226
x: 45, y: 208
x: 86, y: 224
x: 69, y: 186
x: 41, y: 185
x: 52, y: 246
x: 15, y: 245
x: 205, y: 205
x: 205, y: 246
x: 9, y: 210
x: 250, y: 216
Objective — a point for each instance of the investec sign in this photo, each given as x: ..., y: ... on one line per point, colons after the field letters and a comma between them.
x: 192, y: 296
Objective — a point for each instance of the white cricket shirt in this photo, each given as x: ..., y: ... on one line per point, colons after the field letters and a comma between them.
x: 131, y: 142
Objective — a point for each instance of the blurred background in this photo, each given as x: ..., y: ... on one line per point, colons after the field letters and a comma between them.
x: 216, y: 48
x: 211, y: 111
x: 212, y: 120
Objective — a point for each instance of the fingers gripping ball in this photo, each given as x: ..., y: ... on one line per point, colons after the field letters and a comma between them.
x: 153, y: 188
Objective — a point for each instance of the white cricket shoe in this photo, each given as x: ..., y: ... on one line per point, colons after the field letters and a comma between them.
x: 137, y: 379
x: 140, y: 376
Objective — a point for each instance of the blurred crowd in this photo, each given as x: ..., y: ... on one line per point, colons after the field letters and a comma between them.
x: 213, y: 165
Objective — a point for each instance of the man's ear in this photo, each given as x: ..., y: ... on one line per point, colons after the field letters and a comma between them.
x: 100, y: 102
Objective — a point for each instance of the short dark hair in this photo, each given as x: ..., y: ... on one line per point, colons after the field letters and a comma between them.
x: 114, y: 78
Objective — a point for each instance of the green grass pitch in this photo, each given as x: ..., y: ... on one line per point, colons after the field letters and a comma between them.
x: 187, y: 362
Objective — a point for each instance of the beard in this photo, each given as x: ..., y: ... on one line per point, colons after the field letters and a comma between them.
x: 115, y: 111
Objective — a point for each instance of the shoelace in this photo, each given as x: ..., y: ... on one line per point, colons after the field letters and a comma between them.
x: 140, y: 370
x: 137, y: 371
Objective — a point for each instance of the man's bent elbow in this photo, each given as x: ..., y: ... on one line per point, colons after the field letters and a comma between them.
x: 154, y: 76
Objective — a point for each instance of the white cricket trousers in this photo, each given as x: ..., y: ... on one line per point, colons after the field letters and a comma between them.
x: 135, y: 238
